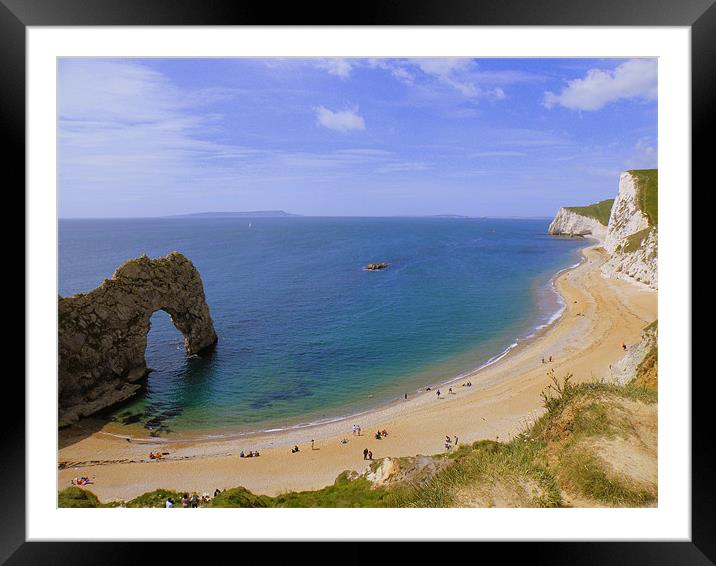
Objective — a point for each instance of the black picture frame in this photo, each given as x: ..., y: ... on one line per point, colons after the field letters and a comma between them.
x: 699, y: 15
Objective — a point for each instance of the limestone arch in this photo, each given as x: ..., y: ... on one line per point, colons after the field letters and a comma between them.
x: 102, y: 334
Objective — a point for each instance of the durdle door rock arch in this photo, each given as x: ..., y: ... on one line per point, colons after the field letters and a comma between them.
x: 102, y: 334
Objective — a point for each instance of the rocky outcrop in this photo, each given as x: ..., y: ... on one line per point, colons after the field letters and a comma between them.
x: 375, y: 266
x: 102, y: 335
x: 637, y: 363
x: 570, y: 223
x: 632, y: 240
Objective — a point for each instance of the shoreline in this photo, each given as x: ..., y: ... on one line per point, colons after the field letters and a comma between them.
x: 505, y: 395
x: 124, y: 431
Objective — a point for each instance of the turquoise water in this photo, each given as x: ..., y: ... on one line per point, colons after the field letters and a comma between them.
x: 305, y: 333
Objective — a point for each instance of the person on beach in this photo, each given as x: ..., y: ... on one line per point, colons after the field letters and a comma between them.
x: 456, y: 440
x: 169, y: 504
x: 543, y: 361
x: 377, y: 435
x: 406, y: 396
x: 370, y: 455
x: 450, y: 391
x: 384, y: 433
x: 312, y: 441
x: 365, y: 453
x: 194, y: 501
x: 344, y: 440
x: 217, y: 491
x: 624, y: 346
x: 185, y: 501
x: 438, y: 392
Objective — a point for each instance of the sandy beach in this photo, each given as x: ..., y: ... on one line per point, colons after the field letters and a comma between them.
x: 600, y: 314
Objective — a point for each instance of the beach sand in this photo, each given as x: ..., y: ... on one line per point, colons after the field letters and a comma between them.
x: 600, y: 314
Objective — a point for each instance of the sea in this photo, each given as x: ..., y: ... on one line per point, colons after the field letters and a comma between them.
x: 306, y: 334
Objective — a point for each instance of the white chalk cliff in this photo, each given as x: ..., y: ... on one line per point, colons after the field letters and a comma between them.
x: 631, y: 240
x: 569, y: 223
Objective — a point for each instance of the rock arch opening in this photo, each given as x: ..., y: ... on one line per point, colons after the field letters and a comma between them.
x: 165, y: 350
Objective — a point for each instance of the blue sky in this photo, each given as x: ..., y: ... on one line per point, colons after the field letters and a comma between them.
x: 358, y: 137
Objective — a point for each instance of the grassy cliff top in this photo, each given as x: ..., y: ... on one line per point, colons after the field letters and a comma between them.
x: 647, y: 184
x: 599, y: 210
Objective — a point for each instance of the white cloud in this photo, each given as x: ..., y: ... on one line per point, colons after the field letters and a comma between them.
x: 398, y: 167
x: 645, y: 155
x: 645, y: 147
x: 634, y: 79
x: 523, y: 137
x: 442, y: 67
x: 403, y: 75
x: 453, y: 72
x: 340, y: 120
x: 600, y: 171
x: 499, y: 154
x: 336, y: 66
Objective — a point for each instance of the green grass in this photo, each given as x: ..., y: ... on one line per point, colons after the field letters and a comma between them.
x: 240, y: 497
x: 513, y: 465
x: 593, y: 413
x: 74, y: 497
x: 600, y: 211
x: 648, y: 193
x: 345, y: 492
x: 156, y: 498
x: 585, y: 473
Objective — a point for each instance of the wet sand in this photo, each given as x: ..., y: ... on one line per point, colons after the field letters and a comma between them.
x: 600, y: 314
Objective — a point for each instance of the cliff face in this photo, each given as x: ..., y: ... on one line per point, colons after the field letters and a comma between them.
x: 103, y: 334
x: 569, y: 223
x: 639, y: 363
x: 632, y: 238
x: 631, y: 234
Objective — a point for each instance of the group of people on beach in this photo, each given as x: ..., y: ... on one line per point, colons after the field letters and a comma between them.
x: 548, y: 361
x: 449, y: 442
x: 367, y: 454
x: 155, y: 455
x: 356, y: 430
x: 81, y: 481
x: 381, y: 434
x: 251, y: 454
x: 450, y: 391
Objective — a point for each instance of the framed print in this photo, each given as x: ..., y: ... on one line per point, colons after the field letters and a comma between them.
x: 422, y: 275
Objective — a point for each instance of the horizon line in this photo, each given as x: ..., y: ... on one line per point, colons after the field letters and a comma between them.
x: 196, y: 215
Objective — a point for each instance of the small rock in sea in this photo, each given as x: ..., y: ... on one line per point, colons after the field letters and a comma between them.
x: 376, y: 266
